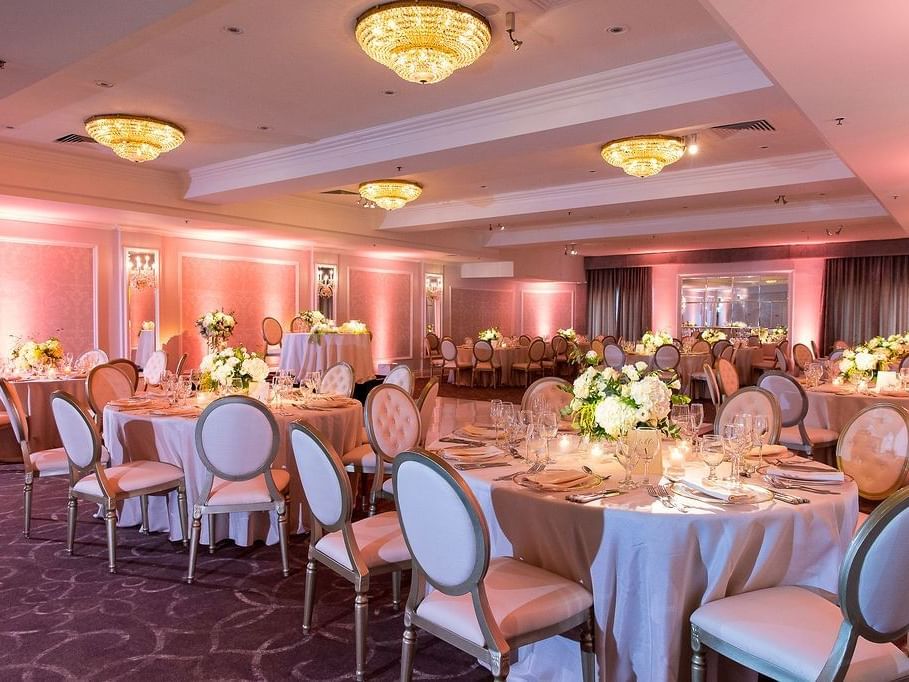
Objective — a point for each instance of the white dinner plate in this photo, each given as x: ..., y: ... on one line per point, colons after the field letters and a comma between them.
x: 756, y: 494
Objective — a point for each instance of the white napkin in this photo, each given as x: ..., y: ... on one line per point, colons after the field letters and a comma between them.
x: 720, y: 493
x: 176, y: 411
x: 803, y: 474
x: 771, y: 450
x: 471, y: 454
x: 477, y: 430
x: 558, y: 481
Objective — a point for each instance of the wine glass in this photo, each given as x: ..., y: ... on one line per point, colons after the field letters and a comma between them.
x: 539, y: 405
x: 696, y: 412
x: 525, y: 418
x: 628, y: 452
x: 537, y: 454
x: 733, y: 440
x: 648, y: 439
x: 713, y: 454
x: 760, y: 426
x: 681, y: 417
x: 549, y: 426
x: 495, y: 414
x: 747, y: 422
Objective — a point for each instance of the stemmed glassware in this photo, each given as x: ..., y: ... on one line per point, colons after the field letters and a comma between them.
x: 747, y: 422
x: 628, y: 452
x: 759, y: 428
x: 549, y: 427
x: 713, y: 454
x: 680, y: 415
x: 696, y: 413
x: 495, y: 414
x: 525, y: 418
x: 648, y: 440
x: 735, y: 445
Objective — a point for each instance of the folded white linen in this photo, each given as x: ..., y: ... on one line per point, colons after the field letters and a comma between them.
x: 471, y: 454
x: 557, y: 480
x: 807, y: 473
x: 767, y: 450
x: 720, y: 491
x: 478, y: 430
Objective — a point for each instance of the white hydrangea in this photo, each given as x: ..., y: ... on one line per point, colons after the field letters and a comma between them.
x: 255, y: 368
x: 653, y: 398
x: 614, y: 416
x: 865, y: 362
x: 631, y: 372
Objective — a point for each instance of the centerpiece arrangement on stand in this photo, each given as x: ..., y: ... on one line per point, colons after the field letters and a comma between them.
x: 652, y: 340
x: 311, y: 318
x: 713, y: 335
x: 232, y: 370
x: 772, y: 335
x: 28, y: 356
x: 492, y: 334
x: 216, y: 328
x: 863, y: 362
x: 568, y: 334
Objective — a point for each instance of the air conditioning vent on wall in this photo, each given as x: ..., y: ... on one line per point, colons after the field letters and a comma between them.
x: 74, y: 138
x: 730, y: 129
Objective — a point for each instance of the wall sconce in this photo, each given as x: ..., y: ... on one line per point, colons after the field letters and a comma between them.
x: 433, y: 288
x: 325, y: 280
x: 142, y: 272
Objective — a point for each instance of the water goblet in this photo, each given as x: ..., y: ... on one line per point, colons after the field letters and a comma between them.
x: 696, y: 412
x: 549, y: 426
x: 760, y: 427
x: 627, y: 452
x: 733, y: 439
x: 537, y: 455
x: 712, y: 453
x: 680, y: 415
x: 648, y: 440
x: 495, y: 414
x: 526, y: 417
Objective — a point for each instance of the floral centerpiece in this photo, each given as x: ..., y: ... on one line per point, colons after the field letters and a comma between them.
x: 219, y: 369
x: 216, y: 328
x: 589, y: 359
x: 570, y: 334
x: 29, y: 355
x: 353, y: 327
x: 311, y: 318
x: 772, y: 335
x: 607, y: 403
x: 713, y: 335
x: 653, y: 340
x: 148, y: 326
x: 491, y: 334
x: 863, y: 362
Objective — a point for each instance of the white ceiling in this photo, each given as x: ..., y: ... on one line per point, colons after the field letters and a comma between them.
x: 528, y: 125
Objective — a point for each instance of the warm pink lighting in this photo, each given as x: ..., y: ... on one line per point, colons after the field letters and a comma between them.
x: 383, y: 301
x: 546, y: 309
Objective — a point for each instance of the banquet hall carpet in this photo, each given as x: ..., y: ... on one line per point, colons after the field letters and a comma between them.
x: 67, y: 618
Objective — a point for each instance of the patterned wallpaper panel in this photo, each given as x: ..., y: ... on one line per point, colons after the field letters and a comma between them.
x: 476, y: 309
x: 383, y: 301
x: 545, y: 312
x: 250, y: 289
x: 47, y: 290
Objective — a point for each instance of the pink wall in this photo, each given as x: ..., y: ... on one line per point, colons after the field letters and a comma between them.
x: 472, y: 309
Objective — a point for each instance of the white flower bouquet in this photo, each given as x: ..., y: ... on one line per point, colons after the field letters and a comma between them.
x: 569, y: 334
x: 607, y: 403
x: 216, y: 328
x: 312, y: 318
x: 353, y: 327
x: 713, y: 335
x: 220, y: 369
x: 653, y: 340
x: 30, y: 355
x: 876, y: 354
x: 491, y: 334
x: 772, y: 335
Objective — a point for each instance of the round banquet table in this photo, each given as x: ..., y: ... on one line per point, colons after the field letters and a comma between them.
x: 832, y: 407
x: 304, y: 352
x: 136, y: 434
x: 649, y: 567
x: 501, y: 357
x: 35, y: 395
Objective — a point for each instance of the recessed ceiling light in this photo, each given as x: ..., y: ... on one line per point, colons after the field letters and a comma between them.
x: 14, y: 127
x: 764, y: 146
x: 389, y: 92
x: 104, y: 84
x: 263, y: 127
x: 616, y: 30
x: 235, y: 30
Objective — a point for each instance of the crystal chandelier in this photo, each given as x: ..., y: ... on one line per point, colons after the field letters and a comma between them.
x: 390, y: 194
x: 644, y: 155
x: 136, y: 138
x: 423, y: 41
x: 142, y: 274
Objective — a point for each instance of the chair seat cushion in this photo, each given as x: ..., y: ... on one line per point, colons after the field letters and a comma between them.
x: 794, y: 629
x: 130, y: 477
x: 817, y: 435
x: 522, y: 598
x: 362, y: 458
x: 50, y: 462
x: 252, y: 491
x: 389, y: 486
x: 379, y: 538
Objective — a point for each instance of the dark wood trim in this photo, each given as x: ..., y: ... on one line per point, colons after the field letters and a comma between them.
x: 881, y: 247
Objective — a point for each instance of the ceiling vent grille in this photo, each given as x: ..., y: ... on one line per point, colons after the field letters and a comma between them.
x: 341, y: 191
x: 74, y: 138
x: 730, y: 129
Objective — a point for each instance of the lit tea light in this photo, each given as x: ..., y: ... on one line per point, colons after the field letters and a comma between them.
x: 564, y: 443
x: 676, y: 467
x: 596, y: 449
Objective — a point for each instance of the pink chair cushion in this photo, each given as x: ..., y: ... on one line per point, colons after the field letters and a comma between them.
x: 337, y: 379
x: 522, y: 598
x: 362, y: 457
x: 395, y: 421
x: 50, y: 462
x: 378, y: 537
x: 131, y: 476
x: 817, y: 435
x: 250, y: 491
x: 796, y: 629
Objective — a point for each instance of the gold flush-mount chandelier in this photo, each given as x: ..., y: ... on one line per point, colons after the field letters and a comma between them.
x: 390, y: 194
x: 644, y: 155
x: 423, y: 41
x: 136, y: 138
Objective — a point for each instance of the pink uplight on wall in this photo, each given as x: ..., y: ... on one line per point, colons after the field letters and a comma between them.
x: 383, y: 300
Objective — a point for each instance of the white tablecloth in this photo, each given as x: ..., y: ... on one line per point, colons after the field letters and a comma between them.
x: 829, y: 410
x: 145, y: 346
x: 35, y: 395
x: 650, y: 567
x: 136, y: 435
x: 303, y: 352
x: 688, y: 364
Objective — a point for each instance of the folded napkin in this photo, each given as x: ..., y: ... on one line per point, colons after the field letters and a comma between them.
x: 771, y: 450
x: 718, y: 491
x: 477, y: 429
x: 184, y: 411
x: 557, y: 481
x: 828, y: 388
x: 807, y: 473
x: 471, y: 454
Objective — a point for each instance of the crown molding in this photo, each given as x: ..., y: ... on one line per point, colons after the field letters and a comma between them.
x: 690, y: 76
x: 730, y: 177
x: 852, y: 208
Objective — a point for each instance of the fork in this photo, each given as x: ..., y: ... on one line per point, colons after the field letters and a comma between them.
x: 534, y: 469
x: 660, y: 493
x: 786, y: 485
x: 667, y: 493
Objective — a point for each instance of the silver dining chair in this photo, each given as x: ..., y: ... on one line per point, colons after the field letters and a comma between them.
x: 297, y: 324
x: 666, y: 357
x: 560, y: 351
x: 237, y: 441
x: 401, y: 375
x: 728, y: 377
x: 713, y: 386
x: 718, y: 347
x: 551, y: 389
x: 393, y: 425
x: 89, y: 359
x: 793, y: 402
x: 484, y: 362
x: 524, y: 340
x: 355, y: 550
x: 129, y: 368
x: 104, y: 384
x: 426, y: 404
x: 181, y: 363
x: 794, y: 633
x: 108, y: 486
x: 44, y: 463
x: 154, y: 369
x: 338, y: 379
x: 272, y: 336
x: 750, y: 400
x: 534, y: 363
x: 450, y: 355
x: 700, y: 346
x: 486, y: 607
x: 597, y: 346
x: 873, y: 449
x: 614, y: 356
x: 801, y: 356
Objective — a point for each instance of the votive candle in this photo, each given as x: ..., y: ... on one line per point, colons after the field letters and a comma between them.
x: 564, y: 443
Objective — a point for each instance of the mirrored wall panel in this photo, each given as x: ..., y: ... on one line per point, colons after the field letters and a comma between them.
x: 326, y: 288
x: 735, y: 301
x: 433, y: 293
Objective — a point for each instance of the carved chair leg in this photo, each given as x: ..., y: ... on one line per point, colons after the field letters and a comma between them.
x: 143, y: 503
x: 282, y: 539
x: 194, y: 546
x: 698, y: 657
x: 71, y: 513
x: 27, y: 495
x: 110, y: 518
x: 184, y: 521
x: 361, y: 615
x: 211, y: 534
x: 396, y: 590
x: 309, y: 595
x: 408, y: 649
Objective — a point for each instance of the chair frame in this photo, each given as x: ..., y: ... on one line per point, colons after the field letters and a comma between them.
x: 477, y: 367
x: 178, y: 370
x: 278, y: 501
x: 532, y: 365
x: 353, y: 383
x: 133, y: 370
x: 806, y: 445
x: 360, y: 574
x: 606, y: 361
x: 97, y: 411
x: 421, y: 399
x: 497, y: 654
x: 539, y: 382
x: 383, y: 459
x: 775, y: 409
x: 854, y: 624
x: 109, y: 501
x: 674, y: 365
x: 724, y: 392
x: 293, y: 321
x: 713, y: 386
x: 904, y: 474
x: 399, y: 368
x: 268, y: 343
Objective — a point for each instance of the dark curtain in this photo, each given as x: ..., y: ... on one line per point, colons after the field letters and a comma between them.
x: 619, y: 302
x: 865, y: 297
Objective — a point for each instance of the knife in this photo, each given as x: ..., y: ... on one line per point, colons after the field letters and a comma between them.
x: 462, y: 441
x: 483, y: 465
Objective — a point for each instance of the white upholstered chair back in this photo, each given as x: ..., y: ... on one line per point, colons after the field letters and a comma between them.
x: 613, y: 356
x: 442, y: 522
x: 155, y: 367
x: 106, y: 383
x: 426, y: 404
x: 89, y: 359
x: 77, y: 433
x: 325, y: 482
x: 392, y: 421
x: 483, y: 354
x: 237, y: 438
x: 666, y: 357
x: 789, y: 394
x: 874, y: 449
x: 400, y: 375
x: 754, y: 401
x: 550, y: 389
x: 536, y: 351
x: 449, y: 350
x: 338, y: 379
x: 18, y: 418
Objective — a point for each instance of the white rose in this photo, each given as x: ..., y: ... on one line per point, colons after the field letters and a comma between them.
x: 255, y: 368
x: 846, y: 364
x: 631, y: 372
x: 865, y: 362
x: 582, y: 387
x: 614, y: 416
x: 640, y: 366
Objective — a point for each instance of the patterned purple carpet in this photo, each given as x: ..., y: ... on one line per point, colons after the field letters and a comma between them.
x: 67, y: 618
